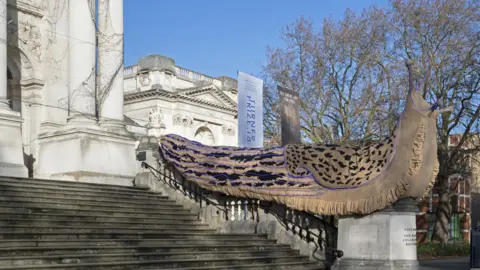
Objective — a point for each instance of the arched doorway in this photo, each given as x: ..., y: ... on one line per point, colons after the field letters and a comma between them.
x: 14, y: 94
x: 204, y: 136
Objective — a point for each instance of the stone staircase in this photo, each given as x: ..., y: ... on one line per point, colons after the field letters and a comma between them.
x: 68, y: 225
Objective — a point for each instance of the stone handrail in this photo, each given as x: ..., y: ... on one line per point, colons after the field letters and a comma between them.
x: 314, y: 236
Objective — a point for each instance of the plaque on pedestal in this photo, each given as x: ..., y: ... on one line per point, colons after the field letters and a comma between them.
x: 382, y: 240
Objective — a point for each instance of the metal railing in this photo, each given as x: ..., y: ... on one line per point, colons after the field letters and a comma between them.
x: 309, y: 227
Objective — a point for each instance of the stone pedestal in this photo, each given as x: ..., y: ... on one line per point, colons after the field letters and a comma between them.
x: 87, y: 154
x: 382, y: 240
x: 11, y: 149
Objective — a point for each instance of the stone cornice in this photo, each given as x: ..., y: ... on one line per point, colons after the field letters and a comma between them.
x: 26, y: 7
x: 209, y: 89
x: 174, y: 97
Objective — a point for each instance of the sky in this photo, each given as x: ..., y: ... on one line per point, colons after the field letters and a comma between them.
x: 220, y: 37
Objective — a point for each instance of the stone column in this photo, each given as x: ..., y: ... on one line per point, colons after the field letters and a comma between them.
x: 3, y: 56
x: 11, y: 150
x: 82, y: 58
x: 110, y: 63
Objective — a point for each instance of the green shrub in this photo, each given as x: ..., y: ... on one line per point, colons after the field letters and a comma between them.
x: 435, y: 250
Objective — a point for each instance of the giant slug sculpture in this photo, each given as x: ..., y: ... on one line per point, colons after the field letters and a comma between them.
x: 322, y: 179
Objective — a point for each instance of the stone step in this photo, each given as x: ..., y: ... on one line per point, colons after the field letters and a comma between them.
x: 34, y: 187
x: 89, y: 221
x: 64, y: 202
x: 271, y: 266
x: 113, y: 235
x: 167, y: 263
x: 86, y: 196
x: 25, y: 208
x: 27, y: 229
x: 47, y: 224
x: 120, y: 243
x: 99, y: 224
x: 148, y: 246
x: 63, y: 183
x: 86, y: 217
x: 141, y: 256
x: 83, y: 212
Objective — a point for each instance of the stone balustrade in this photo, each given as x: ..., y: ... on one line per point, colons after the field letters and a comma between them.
x: 130, y: 71
x: 312, y: 235
x: 192, y: 75
x: 182, y: 72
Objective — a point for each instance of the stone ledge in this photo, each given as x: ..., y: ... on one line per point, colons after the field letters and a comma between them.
x: 87, y: 155
x: 10, y: 118
x: 93, y: 131
x: 13, y: 170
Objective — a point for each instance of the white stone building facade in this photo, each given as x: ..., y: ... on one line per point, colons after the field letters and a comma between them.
x: 70, y: 110
x: 161, y: 98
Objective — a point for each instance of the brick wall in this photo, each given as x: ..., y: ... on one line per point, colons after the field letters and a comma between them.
x: 460, y: 220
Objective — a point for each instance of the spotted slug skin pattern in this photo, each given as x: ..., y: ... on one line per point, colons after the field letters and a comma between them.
x: 295, y: 169
x: 335, y: 166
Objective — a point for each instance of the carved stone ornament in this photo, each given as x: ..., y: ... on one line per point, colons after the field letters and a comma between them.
x: 144, y: 79
x: 30, y: 33
x: 183, y: 120
x: 228, y: 130
x: 155, y: 118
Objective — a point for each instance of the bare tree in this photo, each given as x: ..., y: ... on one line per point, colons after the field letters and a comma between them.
x: 445, y: 35
x: 340, y: 74
x: 351, y: 78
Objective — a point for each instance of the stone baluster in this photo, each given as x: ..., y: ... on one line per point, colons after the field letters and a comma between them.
x: 110, y: 63
x: 232, y: 211
x: 239, y: 210
x: 81, y: 55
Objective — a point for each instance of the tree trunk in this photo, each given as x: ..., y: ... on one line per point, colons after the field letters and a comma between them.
x: 443, y: 214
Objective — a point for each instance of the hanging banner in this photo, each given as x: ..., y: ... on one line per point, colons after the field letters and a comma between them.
x: 290, y: 115
x: 250, y: 111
